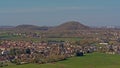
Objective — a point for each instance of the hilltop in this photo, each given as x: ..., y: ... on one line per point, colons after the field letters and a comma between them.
x: 70, y: 25
x: 67, y: 26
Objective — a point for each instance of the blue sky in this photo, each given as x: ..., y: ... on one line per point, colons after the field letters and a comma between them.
x: 55, y: 12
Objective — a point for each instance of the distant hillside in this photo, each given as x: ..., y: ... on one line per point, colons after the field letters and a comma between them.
x: 71, y: 25
x: 67, y: 26
x: 31, y: 27
x: 6, y: 27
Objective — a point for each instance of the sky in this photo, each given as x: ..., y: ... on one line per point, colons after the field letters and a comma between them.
x: 55, y: 12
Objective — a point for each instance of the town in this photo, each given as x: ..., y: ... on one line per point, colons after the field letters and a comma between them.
x: 41, y: 47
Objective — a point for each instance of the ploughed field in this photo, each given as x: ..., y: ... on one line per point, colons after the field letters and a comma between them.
x: 92, y: 60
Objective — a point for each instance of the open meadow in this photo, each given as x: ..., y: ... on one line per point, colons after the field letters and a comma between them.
x: 94, y: 60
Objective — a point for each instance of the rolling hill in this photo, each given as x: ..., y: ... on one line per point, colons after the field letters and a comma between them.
x: 31, y: 27
x: 70, y: 25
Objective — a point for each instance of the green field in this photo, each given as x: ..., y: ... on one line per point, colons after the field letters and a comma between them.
x: 94, y: 60
x: 16, y: 37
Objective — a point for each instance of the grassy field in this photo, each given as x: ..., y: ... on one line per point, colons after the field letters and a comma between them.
x: 95, y: 60
x: 16, y: 37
